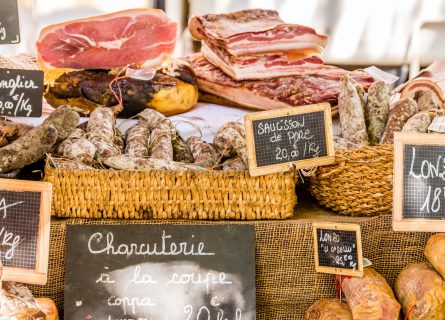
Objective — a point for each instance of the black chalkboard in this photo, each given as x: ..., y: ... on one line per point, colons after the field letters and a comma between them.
x: 19, y: 228
x: 424, y: 182
x: 301, y: 135
x: 160, y: 272
x: 338, y: 249
x: 21, y: 93
x: 9, y: 22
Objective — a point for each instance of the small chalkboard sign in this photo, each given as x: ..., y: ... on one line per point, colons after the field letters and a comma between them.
x: 25, y: 213
x: 21, y: 93
x: 338, y: 249
x: 419, y: 182
x: 298, y: 136
x: 161, y: 272
x: 9, y: 22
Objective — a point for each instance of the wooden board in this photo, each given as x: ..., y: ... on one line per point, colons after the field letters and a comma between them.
x: 25, y: 212
x: 167, y: 271
x: 338, y: 249
x: 9, y: 22
x: 299, y: 137
x: 419, y: 185
x: 21, y: 93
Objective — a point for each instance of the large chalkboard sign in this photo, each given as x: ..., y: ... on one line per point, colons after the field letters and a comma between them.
x: 160, y: 272
x: 21, y: 93
x: 419, y: 182
x: 9, y: 22
x: 25, y: 213
x: 279, y: 139
x: 338, y: 249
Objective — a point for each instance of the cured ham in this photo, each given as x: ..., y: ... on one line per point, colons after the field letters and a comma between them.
x: 322, y: 85
x: 256, y: 31
x: 141, y: 37
x: 432, y: 80
x: 267, y: 65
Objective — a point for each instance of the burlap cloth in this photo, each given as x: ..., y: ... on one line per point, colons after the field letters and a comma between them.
x: 286, y: 281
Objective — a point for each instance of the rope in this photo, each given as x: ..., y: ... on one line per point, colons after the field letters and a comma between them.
x: 194, y: 125
x: 410, y: 311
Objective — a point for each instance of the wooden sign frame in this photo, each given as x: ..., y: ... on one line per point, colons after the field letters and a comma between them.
x: 300, y: 164
x: 411, y: 224
x: 39, y: 274
x: 341, y: 227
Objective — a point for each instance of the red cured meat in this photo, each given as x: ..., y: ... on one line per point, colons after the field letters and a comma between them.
x: 322, y: 85
x: 267, y: 65
x: 142, y: 37
x: 256, y: 31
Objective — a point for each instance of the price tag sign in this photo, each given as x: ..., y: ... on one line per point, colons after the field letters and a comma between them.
x: 160, y: 272
x: 21, y: 93
x: 25, y: 213
x: 299, y: 136
x: 419, y: 182
x: 9, y: 22
x: 338, y: 249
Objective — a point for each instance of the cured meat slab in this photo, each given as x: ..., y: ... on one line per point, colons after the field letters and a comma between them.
x: 143, y: 37
x: 431, y: 79
x: 256, y: 31
x: 273, y: 93
x: 260, y: 66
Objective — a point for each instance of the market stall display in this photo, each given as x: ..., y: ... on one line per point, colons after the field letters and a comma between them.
x: 142, y: 170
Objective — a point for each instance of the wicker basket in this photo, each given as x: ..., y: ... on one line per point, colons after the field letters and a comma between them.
x: 210, y: 195
x: 359, y: 183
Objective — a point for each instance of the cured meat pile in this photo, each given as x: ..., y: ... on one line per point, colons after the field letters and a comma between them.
x: 273, y: 93
x: 120, y: 60
x: 253, y: 59
x: 430, y: 80
x: 257, y: 44
x: 139, y: 36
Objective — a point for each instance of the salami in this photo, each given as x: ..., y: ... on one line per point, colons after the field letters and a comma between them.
x: 437, y: 125
x: 425, y: 100
x: 64, y: 119
x: 230, y: 141
x: 435, y: 252
x: 352, y: 118
x: 398, y: 116
x: 234, y: 164
x: 127, y: 162
x: 77, y: 148
x: 137, y: 140
x: 161, y: 141
x: 204, y: 153
x: 418, y: 123
x: 328, y: 309
x: 181, y: 151
x: 101, y: 132
x: 370, y: 297
x: 377, y: 110
x: 420, y: 288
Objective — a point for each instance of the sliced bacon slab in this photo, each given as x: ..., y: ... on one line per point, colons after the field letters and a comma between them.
x: 256, y: 31
x: 142, y: 37
x: 320, y: 86
x: 267, y: 65
x: 431, y: 79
